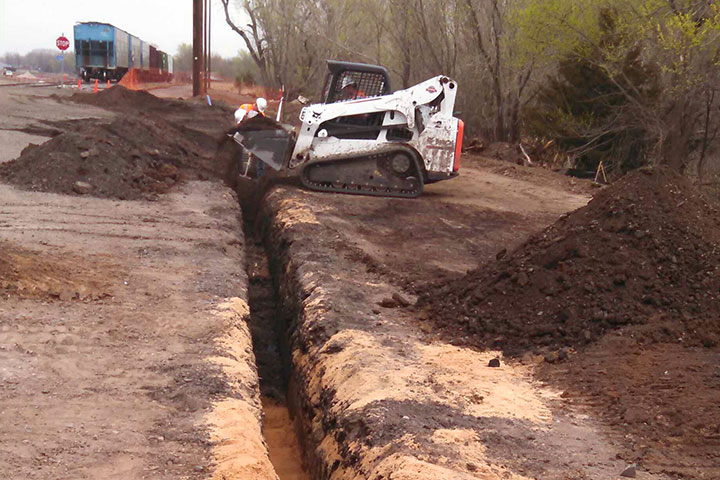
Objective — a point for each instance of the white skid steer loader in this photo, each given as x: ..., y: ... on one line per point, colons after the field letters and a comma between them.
x: 364, y: 139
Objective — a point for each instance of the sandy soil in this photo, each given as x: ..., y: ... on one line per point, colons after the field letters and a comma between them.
x: 115, y: 374
x: 348, y: 266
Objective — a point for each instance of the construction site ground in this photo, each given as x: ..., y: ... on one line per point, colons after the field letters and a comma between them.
x: 158, y: 329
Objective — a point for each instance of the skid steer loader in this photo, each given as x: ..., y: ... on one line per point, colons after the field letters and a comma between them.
x: 363, y: 139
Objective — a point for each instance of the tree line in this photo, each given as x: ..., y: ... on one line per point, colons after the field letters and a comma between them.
x: 40, y: 59
x: 626, y: 82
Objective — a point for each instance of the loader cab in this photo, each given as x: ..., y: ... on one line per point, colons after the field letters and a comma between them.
x: 369, y: 81
x: 348, y: 81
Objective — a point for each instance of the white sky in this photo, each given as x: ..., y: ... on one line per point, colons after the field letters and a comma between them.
x: 29, y: 24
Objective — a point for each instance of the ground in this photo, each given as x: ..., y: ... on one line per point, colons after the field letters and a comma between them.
x: 147, y: 339
x: 111, y: 315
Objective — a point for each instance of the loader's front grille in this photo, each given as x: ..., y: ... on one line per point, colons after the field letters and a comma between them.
x: 368, y: 85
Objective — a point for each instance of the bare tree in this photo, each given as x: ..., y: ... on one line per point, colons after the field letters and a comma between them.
x: 252, y: 35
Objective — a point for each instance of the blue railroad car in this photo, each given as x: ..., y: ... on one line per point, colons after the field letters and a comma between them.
x: 105, y: 52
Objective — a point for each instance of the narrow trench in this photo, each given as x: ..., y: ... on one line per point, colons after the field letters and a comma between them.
x: 266, y: 325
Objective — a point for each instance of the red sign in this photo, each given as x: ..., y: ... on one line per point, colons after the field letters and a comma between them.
x: 62, y: 43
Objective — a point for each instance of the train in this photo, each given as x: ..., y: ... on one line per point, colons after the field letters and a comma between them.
x: 105, y: 52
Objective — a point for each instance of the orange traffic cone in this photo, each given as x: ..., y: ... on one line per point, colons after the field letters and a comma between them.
x: 108, y: 85
x: 79, y: 83
x: 96, y: 86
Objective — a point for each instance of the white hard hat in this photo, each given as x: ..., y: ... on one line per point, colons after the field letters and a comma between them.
x: 261, y: 104
x: 349, y: 80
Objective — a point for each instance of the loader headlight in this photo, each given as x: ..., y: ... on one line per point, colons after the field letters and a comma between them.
x: 322, y: 133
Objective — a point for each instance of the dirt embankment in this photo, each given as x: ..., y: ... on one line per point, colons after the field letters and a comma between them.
x: 440, y: 412
x: 121, y: 98
x: 621, y: 300
x: 152, y: 145
x: 644, y: 252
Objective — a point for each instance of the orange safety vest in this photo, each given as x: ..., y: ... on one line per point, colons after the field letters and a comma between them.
x: 250, y: 107
x: 358, y: 95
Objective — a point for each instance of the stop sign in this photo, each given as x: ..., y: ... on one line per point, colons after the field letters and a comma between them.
x: 62, y: 43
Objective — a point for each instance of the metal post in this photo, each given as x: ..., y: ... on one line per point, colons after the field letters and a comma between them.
x: 197, y: 45
x: 62, y: 69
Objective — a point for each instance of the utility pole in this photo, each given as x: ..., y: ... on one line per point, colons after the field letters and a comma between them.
x: 205, y: 46
x: 209, y: 43
x: 197, y: 46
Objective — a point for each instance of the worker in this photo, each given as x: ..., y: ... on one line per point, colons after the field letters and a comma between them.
x: 350, y: 90
x: 250, y: 110
x: 246, y: 112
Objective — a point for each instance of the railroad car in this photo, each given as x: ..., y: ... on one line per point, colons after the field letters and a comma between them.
x: 105, y: 52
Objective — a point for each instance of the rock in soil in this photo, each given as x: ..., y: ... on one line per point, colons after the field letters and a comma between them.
x: 82, y: 188
x: 388, y: 303
x: 629, y: 472
x: 401, y: 300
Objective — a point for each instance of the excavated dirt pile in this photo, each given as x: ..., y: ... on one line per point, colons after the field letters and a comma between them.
x: 643, y: 255
x: 119, y: 97
x: 130, y: 158
x: 151, y: 145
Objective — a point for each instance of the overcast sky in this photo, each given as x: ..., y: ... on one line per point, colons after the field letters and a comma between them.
x: 29, y: 24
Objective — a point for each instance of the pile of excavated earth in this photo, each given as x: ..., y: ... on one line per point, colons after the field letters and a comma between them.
x: 642, y: 255
x: 119, y: 97
x: 137, y: 155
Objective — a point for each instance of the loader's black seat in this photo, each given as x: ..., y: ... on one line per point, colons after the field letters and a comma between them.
x: 371, y: 80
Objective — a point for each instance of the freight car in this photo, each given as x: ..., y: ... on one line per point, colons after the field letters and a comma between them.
x: 105, y: 52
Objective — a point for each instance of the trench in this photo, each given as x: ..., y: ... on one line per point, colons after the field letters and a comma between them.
x: 267, y: 329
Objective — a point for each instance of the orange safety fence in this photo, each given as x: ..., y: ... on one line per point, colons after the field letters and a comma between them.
x: 134, y: 78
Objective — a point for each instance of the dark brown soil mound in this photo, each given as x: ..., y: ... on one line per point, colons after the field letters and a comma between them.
x: 131, y: 158
x: 643, y: 253
x: 119, y: 97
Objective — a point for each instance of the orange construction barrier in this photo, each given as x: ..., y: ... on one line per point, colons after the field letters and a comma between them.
x: 129, y: 80
x: 96, y: 86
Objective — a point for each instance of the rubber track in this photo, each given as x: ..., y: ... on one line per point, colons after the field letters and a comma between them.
x: 356, y: 189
